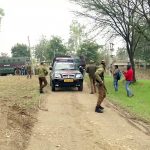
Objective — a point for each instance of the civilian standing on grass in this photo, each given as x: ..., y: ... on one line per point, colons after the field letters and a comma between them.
x: 42, y: 73
x: 129, y: 79
x: 115, y: 76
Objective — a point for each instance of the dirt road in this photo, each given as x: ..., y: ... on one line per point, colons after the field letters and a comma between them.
x: 71, y: 124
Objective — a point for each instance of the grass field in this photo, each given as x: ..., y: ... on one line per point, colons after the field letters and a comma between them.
x: 139, y: 105
x: 20, y: 91
x: 19, y: 102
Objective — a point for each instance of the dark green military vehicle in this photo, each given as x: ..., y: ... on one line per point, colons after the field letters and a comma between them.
x: 10, y: 65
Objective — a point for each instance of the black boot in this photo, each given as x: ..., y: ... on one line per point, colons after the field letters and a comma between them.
x: 98, y: 110
x: 41, y: 91
x: 101, y: 107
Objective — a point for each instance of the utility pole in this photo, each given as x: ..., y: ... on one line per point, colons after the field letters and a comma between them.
x: 29, y: 48
x: 1, y: 15
x: 0, y: 23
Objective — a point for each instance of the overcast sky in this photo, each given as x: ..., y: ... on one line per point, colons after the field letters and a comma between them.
x: 34, y: 18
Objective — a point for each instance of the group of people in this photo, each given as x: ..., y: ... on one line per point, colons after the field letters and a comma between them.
x: 128, y: 77
x: 96, y: 76
x: 24, y: 70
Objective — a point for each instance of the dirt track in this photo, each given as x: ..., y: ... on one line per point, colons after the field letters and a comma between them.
x: 71, y: 124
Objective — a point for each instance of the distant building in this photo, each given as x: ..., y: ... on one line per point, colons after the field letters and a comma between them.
x: 140, y: 64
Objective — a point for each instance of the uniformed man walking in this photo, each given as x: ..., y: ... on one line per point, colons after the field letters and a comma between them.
x: 91, y: 68
x: 42, y: 73
x: 29, y: 71
x: 99, y: 75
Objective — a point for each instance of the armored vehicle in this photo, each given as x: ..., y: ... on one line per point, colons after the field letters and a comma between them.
x: 10, y: 65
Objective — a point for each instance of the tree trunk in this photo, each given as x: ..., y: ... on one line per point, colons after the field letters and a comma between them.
x: 133, y: 67
x: 131, y: 57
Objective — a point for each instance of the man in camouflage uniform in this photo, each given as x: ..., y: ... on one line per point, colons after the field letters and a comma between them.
x: 91, y: 71
x: 42, y: 73
x: 99, y: 75
x: 29, y: 71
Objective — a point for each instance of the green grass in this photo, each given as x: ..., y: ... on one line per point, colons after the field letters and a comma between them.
x: 139, y: 105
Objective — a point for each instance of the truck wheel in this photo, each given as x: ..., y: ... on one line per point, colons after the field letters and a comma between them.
x: 80, y: 88
x: 52, y: 87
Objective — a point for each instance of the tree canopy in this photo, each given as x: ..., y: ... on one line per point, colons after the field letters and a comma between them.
x: 2, y: 12
x: 46, y: 50
x: 77, y: 36
x: 117, y: 18
x: 20, y: 50
x: 89, y: 50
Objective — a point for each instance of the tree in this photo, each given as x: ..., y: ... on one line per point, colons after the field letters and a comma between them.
x: 143, y: 11
x: 122, y: 54
x: 46, y: 50
x: 20, y: 50
x: 4, y: 55
x: 40, y: 50
x: 118, y: 17
x: 143, y: 50
x: 2, y: 12
x: 56, y: 47
x: 77, y: 35
x: 89, y: 50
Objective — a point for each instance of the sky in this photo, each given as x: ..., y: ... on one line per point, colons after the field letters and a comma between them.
x: 34, y: 18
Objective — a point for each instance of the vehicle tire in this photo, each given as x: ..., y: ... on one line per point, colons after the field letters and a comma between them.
x: 80, y: 88
x: 52, y: 87
x: 17, y: 72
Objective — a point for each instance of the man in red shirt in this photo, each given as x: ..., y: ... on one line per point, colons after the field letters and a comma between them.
x: 129, y: 78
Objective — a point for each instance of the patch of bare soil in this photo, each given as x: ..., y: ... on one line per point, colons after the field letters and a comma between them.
x: 71, y: 124
x: 16, y: 126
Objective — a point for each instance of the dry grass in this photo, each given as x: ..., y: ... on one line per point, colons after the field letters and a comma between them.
x: 20, y: 91
x: 143, y: 74
x: 19, y: 100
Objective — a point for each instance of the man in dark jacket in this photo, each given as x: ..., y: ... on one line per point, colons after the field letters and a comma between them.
x: 115, y: 76
x: 91, y: 68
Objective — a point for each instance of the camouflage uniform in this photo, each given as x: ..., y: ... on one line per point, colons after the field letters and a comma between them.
x: 99, y: 75
x: 91, y: 71
x: 42, y: 72
x: 29, y: 71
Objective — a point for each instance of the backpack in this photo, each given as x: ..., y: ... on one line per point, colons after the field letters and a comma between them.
x: 119, y: 74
